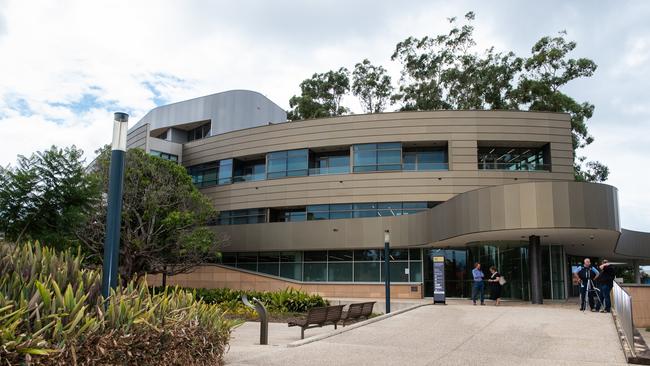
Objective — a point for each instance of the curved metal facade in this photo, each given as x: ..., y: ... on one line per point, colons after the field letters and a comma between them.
x: 228, y: 111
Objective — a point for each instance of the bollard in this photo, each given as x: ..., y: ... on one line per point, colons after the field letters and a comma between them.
x: 264, y: 320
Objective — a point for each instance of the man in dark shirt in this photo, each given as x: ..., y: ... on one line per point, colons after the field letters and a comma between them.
x: 585, y: 274
x: 605, y: 283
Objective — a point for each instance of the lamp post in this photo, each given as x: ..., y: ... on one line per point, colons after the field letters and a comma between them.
x: 114, y: 214
x: 387, y: 268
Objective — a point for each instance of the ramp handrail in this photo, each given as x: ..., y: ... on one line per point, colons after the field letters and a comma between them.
x: 264, y: 320
x: 623, y: 307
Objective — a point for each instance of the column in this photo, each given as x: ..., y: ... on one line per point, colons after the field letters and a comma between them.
x: 535, y: 267
x: 637, y: 272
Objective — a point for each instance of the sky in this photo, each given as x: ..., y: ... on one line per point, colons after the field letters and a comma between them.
x: 66, y: 66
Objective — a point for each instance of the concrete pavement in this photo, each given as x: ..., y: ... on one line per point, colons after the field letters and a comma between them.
x: 458, y: 334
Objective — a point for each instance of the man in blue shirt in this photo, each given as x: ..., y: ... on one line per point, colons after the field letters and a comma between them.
x: 586, y: 275
x: 478, y: 286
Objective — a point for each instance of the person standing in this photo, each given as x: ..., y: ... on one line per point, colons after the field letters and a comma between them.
x: 495, y: 285
x: 605, y: 283
x: 478, y: 287
x: 585, y: 275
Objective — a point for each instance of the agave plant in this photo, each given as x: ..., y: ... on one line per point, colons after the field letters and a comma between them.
x: 51, y: 311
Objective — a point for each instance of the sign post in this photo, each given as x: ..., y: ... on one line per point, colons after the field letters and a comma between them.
x: 439, y: 280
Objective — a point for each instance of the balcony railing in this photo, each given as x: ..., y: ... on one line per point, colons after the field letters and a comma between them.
x: 515, y: 167
x: 249, y: 177
x: 424, y: 166
x: 330, y: 170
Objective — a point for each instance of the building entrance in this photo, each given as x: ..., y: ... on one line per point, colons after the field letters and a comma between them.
x: 511, y: 260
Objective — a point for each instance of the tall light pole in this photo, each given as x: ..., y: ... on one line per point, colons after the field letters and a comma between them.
x: 387, y: 268
x: 114, y: 214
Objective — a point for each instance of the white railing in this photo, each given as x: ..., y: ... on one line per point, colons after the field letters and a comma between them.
x: 623, y: 307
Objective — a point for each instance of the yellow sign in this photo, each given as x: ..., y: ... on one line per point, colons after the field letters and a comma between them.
x: 438, y: 259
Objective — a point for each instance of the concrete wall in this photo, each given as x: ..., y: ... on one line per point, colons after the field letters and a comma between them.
x: 166, y: 147
x: 216, y: 276
x: 640, y: 304
x: 462, y: 130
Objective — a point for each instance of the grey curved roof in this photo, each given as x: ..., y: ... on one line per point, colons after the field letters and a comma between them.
x: 229, y: 111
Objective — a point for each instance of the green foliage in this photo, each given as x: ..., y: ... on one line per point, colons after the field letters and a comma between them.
x: 45, y: 196
x: 162, y: 218
x: 372, y: 85
x: 288, y: 300
x: 446, y: 72
x: 443, y: 72
x: 51, y: 312
x: 320, y: 96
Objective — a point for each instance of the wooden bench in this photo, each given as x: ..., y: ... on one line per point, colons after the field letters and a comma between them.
x: 318, y: 317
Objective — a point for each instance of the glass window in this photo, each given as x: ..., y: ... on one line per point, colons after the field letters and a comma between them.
x: 291, y: 257
x: 318, y: 212
x: 288, y: 214
x: 397, y: 254
x: 291, y: 163
x: 389, y: 209
x: 363, y: 255
x: 397, y: 272
x: 316, y: 256
x: 425, y: 158
x: 416, y: 254
x: 291, y: 270
x: 166, y: 156
x: 340, y: 255
x: 315, y: 272
x: 249, y: 170
x: 209, y: 174
x: 228, y: 258
x: 514, y: 158
x: 247, y: 266
x: 339, y: 272
x: 236, y: 217
x: 366, y: 271
x: 269, y: 268
x: 198, y: 132
x: 377, y: 157
x: 269, y: 257
x: 415, y: 270
x: 225, y: 171
x: 365, y: 210
x: 247, y: 258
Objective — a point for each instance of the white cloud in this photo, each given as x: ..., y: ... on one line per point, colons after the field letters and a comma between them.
x: 67, y: 65
x: 638, y: 53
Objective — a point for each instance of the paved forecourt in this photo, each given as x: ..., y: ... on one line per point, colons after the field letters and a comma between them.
x: 448, y: 335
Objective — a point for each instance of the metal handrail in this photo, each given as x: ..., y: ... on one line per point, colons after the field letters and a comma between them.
x: 519, y: 166
x: 264, y: 319
x: 623, y: 307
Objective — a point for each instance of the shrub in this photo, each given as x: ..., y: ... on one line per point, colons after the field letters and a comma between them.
x: 52, y: 313
x: 288, y: 300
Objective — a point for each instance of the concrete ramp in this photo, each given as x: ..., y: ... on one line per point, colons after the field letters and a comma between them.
x: 461, y: 335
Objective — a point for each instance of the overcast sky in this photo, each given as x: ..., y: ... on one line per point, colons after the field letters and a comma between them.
x: 65, y: 66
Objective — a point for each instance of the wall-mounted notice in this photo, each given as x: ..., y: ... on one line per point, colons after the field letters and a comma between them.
x: 439, y: 280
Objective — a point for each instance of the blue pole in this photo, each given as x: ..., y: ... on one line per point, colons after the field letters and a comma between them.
x: 114, y: 213
x: 387, y: 269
